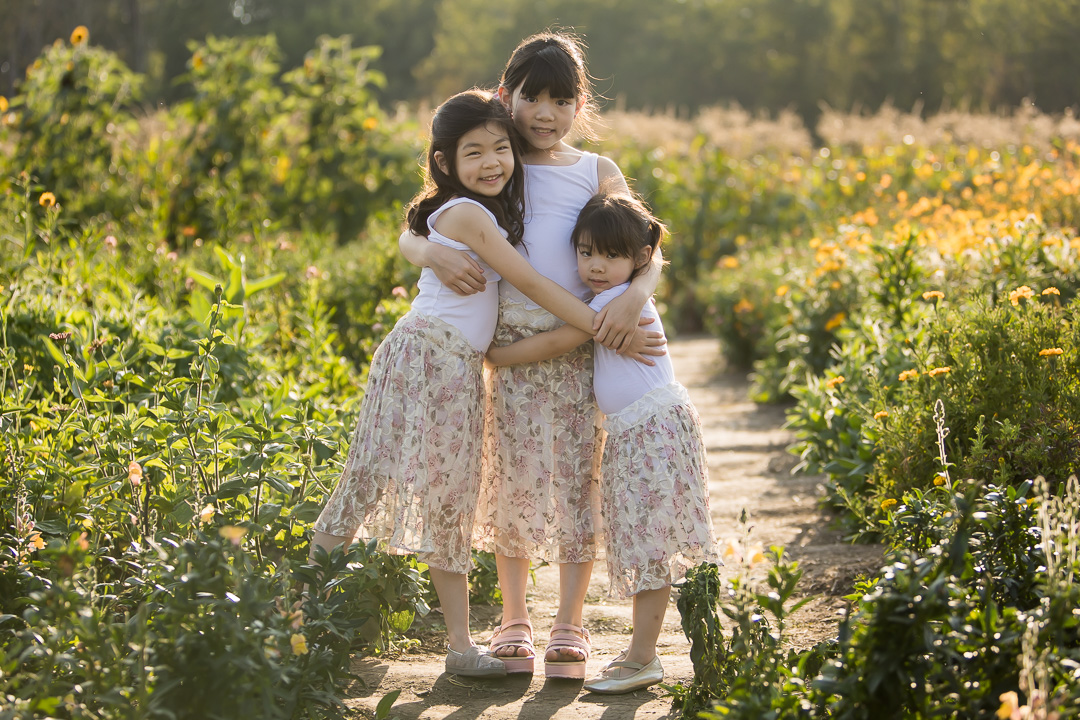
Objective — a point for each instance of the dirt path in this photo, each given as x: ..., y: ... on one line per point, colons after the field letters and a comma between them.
x: 749, y: 468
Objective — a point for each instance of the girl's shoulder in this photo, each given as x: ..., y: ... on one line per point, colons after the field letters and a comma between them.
x: 462, y: 216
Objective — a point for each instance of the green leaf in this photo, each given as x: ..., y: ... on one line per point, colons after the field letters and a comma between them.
x: 382, y: 710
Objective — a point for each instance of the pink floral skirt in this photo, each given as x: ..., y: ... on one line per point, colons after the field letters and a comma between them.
x: 540, y: 497
x: 413, y: 470
x: 655, y: 492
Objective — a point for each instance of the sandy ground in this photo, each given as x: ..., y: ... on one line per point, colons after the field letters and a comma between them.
x: 749, y: 469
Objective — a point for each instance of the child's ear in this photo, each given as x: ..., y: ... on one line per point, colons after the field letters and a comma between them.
x: 506, y: 97
x: 440, y: 160
x: 643, y: 258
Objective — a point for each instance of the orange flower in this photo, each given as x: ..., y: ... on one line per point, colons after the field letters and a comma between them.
x: 833, y: 382
x: 939, y: 481
x: 79, y: 35
x: 881, y: 414
x: 47, y: 199
x: 3, y: 104
x: 135, y: 473
x: 730, y: 262
x: 1050, y: 291
x: 888, y: 503
x: 1021, y: 293
x: 908, y: 375
x: 933, y: 295
x: 743, y: 306
x: 835, y: 321
x: 939, y: 371
x: 1050, y: 351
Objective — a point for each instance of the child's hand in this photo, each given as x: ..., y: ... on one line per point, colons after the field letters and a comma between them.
x: 456, y: 270
x: 615, y: 325
x: 644, y: 343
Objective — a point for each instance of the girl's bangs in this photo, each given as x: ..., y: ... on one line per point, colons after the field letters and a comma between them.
x: 547, y: 73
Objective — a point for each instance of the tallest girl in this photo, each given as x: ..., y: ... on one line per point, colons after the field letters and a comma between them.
x: 540, y: 492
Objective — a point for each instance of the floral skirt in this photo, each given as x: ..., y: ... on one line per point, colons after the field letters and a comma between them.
x: 655, y: 492
x: 540, y: 497
x: 413, y: 469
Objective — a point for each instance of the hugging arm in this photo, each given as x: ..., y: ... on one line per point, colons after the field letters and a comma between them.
x: 541, y: 346
x: 469, y: 224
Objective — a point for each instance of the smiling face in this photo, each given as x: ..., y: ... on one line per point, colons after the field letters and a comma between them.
x: 602, y: 270
x: 542, y: 120
x: 484, y: 160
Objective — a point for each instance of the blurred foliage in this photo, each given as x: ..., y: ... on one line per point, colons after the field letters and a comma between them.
x: 767, y: 55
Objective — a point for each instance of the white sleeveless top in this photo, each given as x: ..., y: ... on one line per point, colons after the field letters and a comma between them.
x: 474, y: 315
x: 554, y: 195
x: 617, y: 380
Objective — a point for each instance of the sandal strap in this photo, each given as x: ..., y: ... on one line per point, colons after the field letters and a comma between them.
x: 624, y: 664
x: 564, y: 635
x: 503, y: 636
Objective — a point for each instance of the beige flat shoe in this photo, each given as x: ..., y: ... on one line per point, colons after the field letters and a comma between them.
x: 644, y: 676
x: 474, y: 662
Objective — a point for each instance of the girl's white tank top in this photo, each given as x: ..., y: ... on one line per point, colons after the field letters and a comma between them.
x: 474, y: 315
x: 554, y: 195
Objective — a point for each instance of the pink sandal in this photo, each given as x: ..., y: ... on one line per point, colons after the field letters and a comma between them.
x: 505, y: 637
x: 564, y: 636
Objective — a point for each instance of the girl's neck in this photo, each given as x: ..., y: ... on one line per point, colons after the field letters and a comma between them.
x: 558, y: 154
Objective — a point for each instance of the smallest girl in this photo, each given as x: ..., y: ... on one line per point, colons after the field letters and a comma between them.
x: 655, y: 501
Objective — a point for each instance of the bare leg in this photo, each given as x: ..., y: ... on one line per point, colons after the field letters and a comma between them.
x: 573, y: 584
x: 513, y: 583
x: 453, y: 592
x: 327, y: 542
x: 649, y: 609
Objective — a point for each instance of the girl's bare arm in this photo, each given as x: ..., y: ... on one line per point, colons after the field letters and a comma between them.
x: 454, y: 268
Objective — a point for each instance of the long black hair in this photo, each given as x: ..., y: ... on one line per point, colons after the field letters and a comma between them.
x: 452, y: 120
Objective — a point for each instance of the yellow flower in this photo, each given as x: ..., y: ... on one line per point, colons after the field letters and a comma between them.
x: 232, y: 533
x: 835, y: 321
x: 299, y: 644
x: 881, y: 414
x: 757, y: 555
x: 730, y: 262
x: 370, y: 124
x: 782, y: 291
x: 743, y: 306
x: 939, y: 371
x: 135, y: 473
x: 3, y: 104
x: 35, y: 539
x: 1022, y: 292
x: 888, y: 503
x: 79, y: 35
x: 833, y: 382
x: 908, y: 375
x: 47, y: 199
x: 1010, y: 704
x: 207, y: 514
x: 1050, y: 351
x: 731, y: 551
x: 933, y: 295
x: 1047, y: 291
x: 939, y: 481
x: 197, y: 61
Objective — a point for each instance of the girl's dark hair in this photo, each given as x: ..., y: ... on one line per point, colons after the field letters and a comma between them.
x: 452, y: 120
x: 553, y: 61
x: 620, y: 224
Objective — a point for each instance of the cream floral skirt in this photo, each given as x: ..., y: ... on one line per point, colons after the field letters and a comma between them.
x: 655, y: 492
x: 540, y: 497
x: 413, y: 469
